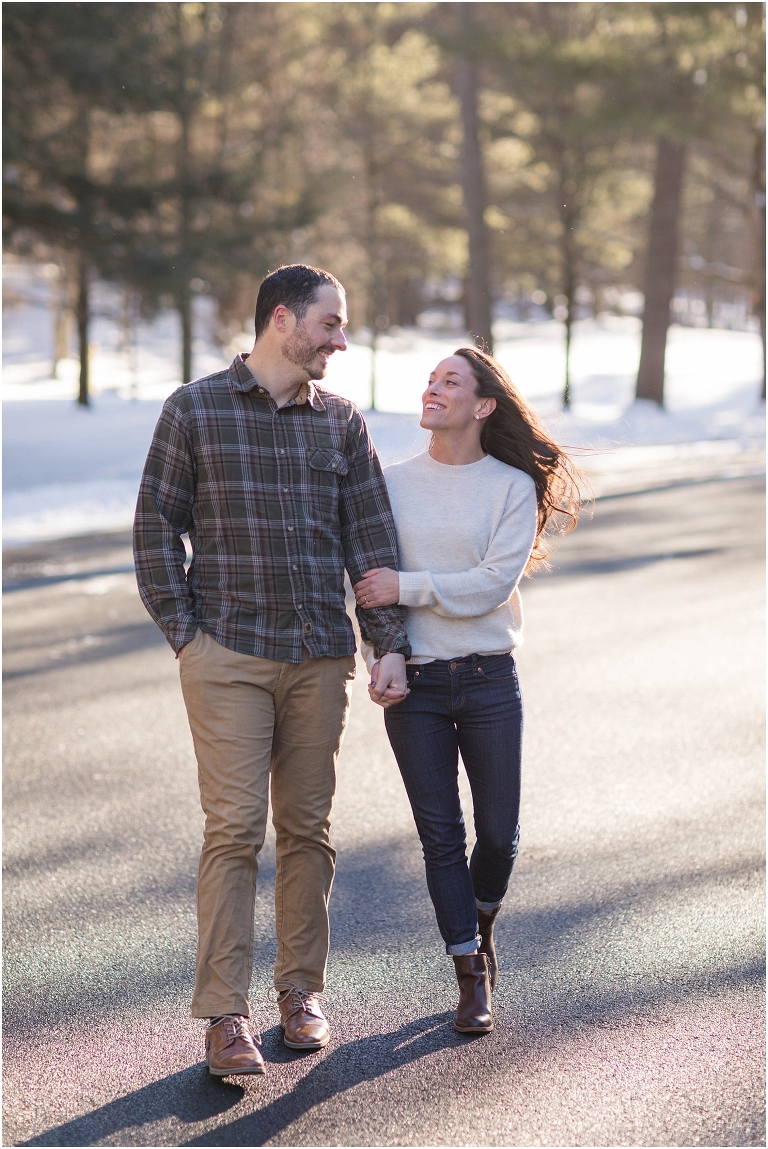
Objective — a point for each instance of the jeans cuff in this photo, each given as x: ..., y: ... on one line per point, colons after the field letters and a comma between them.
x: 487, y: 907
x: 463, y: 948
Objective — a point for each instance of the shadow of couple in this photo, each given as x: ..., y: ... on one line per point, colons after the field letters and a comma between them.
x: 193, y: 1096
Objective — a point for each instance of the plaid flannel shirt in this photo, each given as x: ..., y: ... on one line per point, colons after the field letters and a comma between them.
x: 277, y: 502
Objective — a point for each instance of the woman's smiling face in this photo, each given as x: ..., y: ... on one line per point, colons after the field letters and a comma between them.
x: 450, y: 401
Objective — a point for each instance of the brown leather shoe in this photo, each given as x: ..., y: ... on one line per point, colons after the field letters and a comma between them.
x: 230, y: 1048
x: 473, y: 1014
x: 304, y: 1024
x: 485, y: 922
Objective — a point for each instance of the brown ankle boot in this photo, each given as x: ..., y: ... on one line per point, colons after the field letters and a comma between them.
x: 473, y: 1014
x: 485, y: 922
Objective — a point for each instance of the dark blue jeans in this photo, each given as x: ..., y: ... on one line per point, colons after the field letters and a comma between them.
x: 471, y: 705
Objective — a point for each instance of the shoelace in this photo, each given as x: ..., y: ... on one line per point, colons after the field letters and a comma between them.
x: 239, y: 1027
x: 296, y: 995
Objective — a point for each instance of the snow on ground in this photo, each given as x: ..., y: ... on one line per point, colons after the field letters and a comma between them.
x: 69, y: 471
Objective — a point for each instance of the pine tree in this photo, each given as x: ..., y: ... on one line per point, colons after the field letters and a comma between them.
x: 676, y: 87
x: 64, y: 65
x: 555, y: 62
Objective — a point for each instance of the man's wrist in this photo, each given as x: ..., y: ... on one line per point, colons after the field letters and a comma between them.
x: 181, y: 633
x: 403, y: 648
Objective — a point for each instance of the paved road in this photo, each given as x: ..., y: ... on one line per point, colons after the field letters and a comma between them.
x: 630, y: 1007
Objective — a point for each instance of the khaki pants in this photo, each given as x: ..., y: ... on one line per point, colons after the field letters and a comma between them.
x: 251, y: 717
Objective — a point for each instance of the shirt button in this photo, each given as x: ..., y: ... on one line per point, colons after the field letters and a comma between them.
x: 299, y: 606
x: 453, y: 666
x: 295, y: 567
x: 285, y: 490
x: 290, y: 528
x: 282, y: 450
x: 307, y: 628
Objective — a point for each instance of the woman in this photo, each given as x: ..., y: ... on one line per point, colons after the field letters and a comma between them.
x: 470, y: 515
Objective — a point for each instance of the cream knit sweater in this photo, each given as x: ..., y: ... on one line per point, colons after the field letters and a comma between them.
x: 465, y: 535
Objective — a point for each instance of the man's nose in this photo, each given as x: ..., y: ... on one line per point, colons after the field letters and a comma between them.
x: 339, y: 341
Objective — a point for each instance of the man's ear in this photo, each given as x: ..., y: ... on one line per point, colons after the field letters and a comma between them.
x: 281, y: 317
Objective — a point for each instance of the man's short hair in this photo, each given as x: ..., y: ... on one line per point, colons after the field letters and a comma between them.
x: 295, y: 286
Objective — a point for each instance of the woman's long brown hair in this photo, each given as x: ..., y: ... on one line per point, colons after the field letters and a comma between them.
x: 514, y: 434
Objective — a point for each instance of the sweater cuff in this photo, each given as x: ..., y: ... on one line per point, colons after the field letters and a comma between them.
x: 415, y: 588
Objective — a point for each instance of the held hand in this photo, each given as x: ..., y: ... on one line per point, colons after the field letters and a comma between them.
x: 378, y: 587
x: 389, y: 684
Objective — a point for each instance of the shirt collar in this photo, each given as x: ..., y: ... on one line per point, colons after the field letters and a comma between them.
x: 243, y: 380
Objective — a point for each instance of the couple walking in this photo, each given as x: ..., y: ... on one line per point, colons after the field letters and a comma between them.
x: 278, y: 485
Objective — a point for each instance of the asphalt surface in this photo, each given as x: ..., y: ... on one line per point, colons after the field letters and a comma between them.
x: 629, y: 1010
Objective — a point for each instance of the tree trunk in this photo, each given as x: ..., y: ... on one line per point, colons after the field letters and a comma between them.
x: 184, y: 269
x: 569, y: 257
x: 61, y: 320
x: 184, y: 305
x: 375, y: 268
x: 60, y: 338
x: 568, y: 332
x: 759, y: 189
x: 477, y: 291
x: 374, y: 350
x: 83, y: 313
x: 130, y: 349
x: 661, y: 268
x: 184, y: 292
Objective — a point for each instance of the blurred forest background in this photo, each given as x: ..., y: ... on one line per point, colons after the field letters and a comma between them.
x: 451, y: 163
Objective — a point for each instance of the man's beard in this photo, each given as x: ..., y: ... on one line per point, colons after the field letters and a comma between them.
x: 302, y: 350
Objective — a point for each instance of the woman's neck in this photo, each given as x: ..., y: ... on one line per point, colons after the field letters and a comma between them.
x: 456, y: 450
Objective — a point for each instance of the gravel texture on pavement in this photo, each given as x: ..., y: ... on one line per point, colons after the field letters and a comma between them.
x: 630, y: 1006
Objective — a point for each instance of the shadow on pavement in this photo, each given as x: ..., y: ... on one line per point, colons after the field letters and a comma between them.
x: 387, y: 880
x: 193, y: 1096
x: 111, y: 643
x: 627, y: 562
x: 555, y: 1000
x: 19, y: 562
x: 33, y: 582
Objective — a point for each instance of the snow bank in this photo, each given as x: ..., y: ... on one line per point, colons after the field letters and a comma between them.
x: 69, y: 471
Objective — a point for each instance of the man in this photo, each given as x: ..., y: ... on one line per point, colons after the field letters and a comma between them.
x: 279, y: 487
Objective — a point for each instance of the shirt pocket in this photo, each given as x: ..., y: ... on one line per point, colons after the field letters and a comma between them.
x: 325, y: 459
x: 326, y: 470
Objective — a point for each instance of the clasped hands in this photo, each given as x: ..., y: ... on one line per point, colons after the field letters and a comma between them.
x: 388, y: 685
